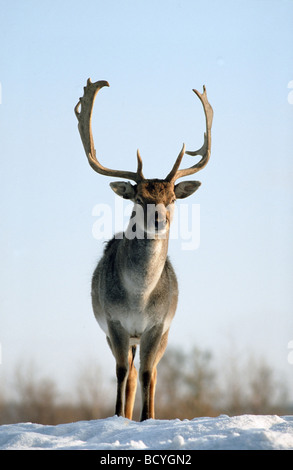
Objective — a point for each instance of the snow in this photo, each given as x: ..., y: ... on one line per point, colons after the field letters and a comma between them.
x: 245, y: 432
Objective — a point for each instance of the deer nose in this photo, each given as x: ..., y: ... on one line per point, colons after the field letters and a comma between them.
x: 156, y: 221
x: 160, y: 222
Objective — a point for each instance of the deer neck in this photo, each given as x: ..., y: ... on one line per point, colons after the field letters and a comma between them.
x: 141, y: 263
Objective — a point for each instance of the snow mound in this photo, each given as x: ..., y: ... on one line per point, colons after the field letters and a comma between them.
x: 246, y: 432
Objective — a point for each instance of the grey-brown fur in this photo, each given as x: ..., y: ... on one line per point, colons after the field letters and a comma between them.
x: 135, y: 316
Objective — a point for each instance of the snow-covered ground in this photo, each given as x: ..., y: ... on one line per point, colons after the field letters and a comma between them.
x: 247, y: 432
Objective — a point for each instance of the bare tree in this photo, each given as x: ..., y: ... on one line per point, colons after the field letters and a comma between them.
x: 251, y: 386
x: 36, y: 397
x: 190, y: 382
x: 91, y: 393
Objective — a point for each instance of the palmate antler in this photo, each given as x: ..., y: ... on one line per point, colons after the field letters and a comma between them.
x: 204, y: 151
x: 84, y: 117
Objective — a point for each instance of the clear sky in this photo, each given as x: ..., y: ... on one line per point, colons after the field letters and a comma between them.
x: 236, y: 287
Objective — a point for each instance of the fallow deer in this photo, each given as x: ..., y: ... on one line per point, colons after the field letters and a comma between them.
x: 134, y: 287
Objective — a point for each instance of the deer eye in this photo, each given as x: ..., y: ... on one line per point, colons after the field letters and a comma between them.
x: 139, y: 201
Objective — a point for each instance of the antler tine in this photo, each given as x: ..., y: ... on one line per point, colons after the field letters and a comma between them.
x: 204, y: 151
x: 84, y: 117
x: 173, y: 172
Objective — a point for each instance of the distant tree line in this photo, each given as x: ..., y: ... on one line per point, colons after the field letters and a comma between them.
x: 189, y: 385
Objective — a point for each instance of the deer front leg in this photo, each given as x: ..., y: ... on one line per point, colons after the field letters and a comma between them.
x: 119, y: 343
x: 149, y: 348
x: 159, y: 355
x: 131, y: 385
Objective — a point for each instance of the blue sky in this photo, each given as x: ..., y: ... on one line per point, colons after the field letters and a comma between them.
x: 236, y: 288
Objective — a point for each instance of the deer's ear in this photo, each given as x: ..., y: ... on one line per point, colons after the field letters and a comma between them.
x: 186, y: 188
x: 123, y: 189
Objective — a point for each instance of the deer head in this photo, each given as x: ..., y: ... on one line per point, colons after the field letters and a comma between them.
x: 146, y: 192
